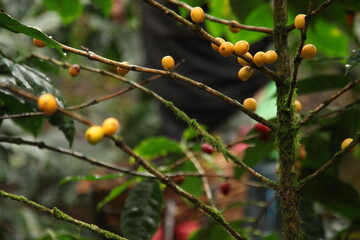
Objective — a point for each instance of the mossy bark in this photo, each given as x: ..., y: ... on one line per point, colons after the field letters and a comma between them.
x: 287, y: 131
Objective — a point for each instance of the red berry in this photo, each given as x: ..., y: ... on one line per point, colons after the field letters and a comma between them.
x: 159, y: 235
x: 178, y: 179
x: 207, y: 148
x: 263, y: 130
x: 225, y: 188
x: 184, y: 230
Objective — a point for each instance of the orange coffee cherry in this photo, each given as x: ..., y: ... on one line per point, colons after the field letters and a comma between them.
x: 298, y: 105
x: 241, y: 47
x: 226, y: 49
x: 346, y: 143
x: 123, y: 71
x: 47, y: 104
x: 308, y: 51
x: 242, y: 61
x: 38, y: 43
x: 94, y: 134
x: 197, y: 15
x: 245, y: 73
x: 74, y: 70
x: 260, y: 58
x: 234, y: 29
x: 250, y: 104
x: 271, y: 57
x: 299, y: 21
x: 216, y: 47
x: 167, y: 62
x: 110, y: 126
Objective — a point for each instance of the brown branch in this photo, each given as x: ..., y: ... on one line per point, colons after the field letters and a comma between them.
x: 336, y: 158
x: 58, y: 214
x: 22, y: 115
x: 224, y: 21
x: 324, y: 104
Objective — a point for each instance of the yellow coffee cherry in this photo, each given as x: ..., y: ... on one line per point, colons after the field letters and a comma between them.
x: 242, y: 61
x: 260, y: 58
x: 94, y: 134
x: 271, y: 56
x: 74, y: 70
x: 241, y: 47
x: 226, y: 49
x: 216, y: 47
x: 110, y: 126
x: 38, y: 43
x: 245, y: 73
x: 234, y: 29
x: 346, y: 143
x: 250, y: 104
x: 298, y: 105
x: 299, y: 21
x: 47, y: 104
x: 308, y: 51
x: 123, y: 71
x: 167, y: 62
x: 197, y: 15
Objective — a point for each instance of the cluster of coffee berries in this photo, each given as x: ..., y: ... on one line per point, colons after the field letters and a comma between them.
x: 95, y: 134
x: 309, y: 50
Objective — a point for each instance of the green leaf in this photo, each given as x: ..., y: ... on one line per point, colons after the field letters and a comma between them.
x: 13, y: 25
x: 68, y: 10
x: 328, y: 38
x: 104, y: 5
x: 322, y: 83
x: 36, y: 82
x: 154, y: 147
x: 142, y: 211
x: 351, y: 5
x: 114, y: 193
x: 353, y: 60
x: 243, y: 8
x: 14, y: 105
x: 191, y: 184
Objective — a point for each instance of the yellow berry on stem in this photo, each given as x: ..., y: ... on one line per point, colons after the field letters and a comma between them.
x: 94, y: 134
x: 216, y: 47
x: 167, y: 62
x: 250, y: 104
x: 298, y: 105
x: 197, y: 15
x: 245, y: 73
x: 241, y: 47
x: 308, y: 51
x: 346, y: 143
x: 226, y: 49
x: 47, y: 104
x: 110, y: 126
x: 299, y: 21
x: 242, y: 61
x: 260, y: 58
x: 271, y: 56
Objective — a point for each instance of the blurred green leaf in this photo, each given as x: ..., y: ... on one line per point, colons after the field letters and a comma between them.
x: 65, y: 124
x: 243, y: 8
x: 13, y: 25
x: 89, y: 178
x: 192, y: 185
x: 353, y: 60
x: 320, y: 83
x: 154, y: 147
x: 142, y: 211
x: 328, y: 38
x: 351, y: 5
x: 68, y: 10
x: 189, y: 133
x: 105, y: 6
x: 114, y: 193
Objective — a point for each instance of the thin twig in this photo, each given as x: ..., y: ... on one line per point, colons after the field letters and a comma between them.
x: 22, y: 115
x: 314, y: 13
x: 336, y: 158
x: 58, y: 214
x: 297, y: 59
x: 324, y: 104
x: 224, y: 21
